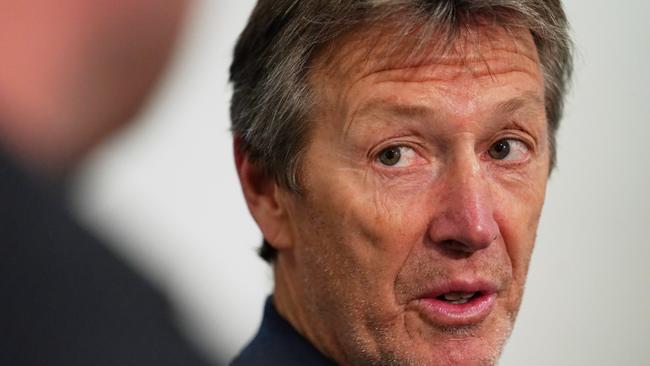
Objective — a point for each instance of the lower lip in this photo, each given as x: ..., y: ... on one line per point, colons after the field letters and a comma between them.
x: 443, y: 313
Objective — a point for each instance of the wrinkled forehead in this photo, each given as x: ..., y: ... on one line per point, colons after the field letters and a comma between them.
x: 374, y: 47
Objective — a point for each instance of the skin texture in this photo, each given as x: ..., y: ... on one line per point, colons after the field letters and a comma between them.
x: 365, y: 241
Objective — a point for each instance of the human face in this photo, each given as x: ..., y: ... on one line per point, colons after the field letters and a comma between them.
x: 423, y: 186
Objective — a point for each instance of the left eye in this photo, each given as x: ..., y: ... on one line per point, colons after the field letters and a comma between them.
x: 396, y: 156
x: 508, y: 150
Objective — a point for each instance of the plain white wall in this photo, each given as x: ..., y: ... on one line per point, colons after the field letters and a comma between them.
x: 166, y: 192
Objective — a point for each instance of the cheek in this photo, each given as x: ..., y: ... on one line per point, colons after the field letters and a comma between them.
x: 517, y: 211
x: 366, y: 224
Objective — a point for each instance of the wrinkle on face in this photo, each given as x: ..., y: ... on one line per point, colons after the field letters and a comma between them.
x: 362, y: 231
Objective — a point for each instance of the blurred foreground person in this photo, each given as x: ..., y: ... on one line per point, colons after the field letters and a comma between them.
x: 72, y: 72
x: 395, y: 154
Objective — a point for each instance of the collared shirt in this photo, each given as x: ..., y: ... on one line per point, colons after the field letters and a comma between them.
x: 277, y: 343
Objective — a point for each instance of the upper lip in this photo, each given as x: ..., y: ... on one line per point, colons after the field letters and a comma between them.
x: 484, y: 286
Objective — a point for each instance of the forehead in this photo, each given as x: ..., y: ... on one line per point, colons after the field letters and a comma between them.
x: 371, y: 49
x: 375, y: 79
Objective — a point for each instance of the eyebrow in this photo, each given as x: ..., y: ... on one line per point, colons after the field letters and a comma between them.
x: 385, y: 108
x: 382, y: 106
x: 410, y: 111
x: 512, y: 105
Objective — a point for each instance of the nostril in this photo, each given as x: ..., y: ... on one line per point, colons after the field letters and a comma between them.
x: 456, y: 246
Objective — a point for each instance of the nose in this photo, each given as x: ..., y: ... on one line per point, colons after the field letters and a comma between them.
x: 464, y: 221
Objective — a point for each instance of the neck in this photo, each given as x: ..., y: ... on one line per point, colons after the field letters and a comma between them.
x: 289, y: 297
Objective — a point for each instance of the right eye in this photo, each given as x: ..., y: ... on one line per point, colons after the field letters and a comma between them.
x: 397, y: 156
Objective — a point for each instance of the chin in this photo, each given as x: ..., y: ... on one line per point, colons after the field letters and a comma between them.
x: 421, y: 343
x: 462, y: 351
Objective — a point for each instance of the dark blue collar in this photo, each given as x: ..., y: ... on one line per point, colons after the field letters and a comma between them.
x: 277, y: 343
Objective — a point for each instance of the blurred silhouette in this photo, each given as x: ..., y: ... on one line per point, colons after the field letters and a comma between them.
x: 71, y: 73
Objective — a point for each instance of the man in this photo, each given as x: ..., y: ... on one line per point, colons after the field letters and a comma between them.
x: 395, y: 156
x: 71, y: 73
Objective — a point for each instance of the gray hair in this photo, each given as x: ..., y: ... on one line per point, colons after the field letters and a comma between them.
x: 272, y: 99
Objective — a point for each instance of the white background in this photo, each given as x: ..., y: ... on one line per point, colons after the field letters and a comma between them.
x: 166, y: 191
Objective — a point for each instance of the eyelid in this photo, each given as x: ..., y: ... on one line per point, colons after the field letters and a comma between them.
x: 396, y: 141
x: 514, y: 140
x: 375, y: 153
x: 518, y: 134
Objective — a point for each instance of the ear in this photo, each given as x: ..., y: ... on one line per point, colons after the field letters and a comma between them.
x: 263, y: 197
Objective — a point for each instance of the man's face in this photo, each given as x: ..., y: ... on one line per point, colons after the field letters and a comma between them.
x: 424, y: 184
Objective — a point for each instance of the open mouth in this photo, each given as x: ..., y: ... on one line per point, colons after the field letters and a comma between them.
x: 459, y: 298
x: 458, y: 303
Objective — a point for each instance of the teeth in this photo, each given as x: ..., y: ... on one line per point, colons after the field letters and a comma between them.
x: 459, y: 297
